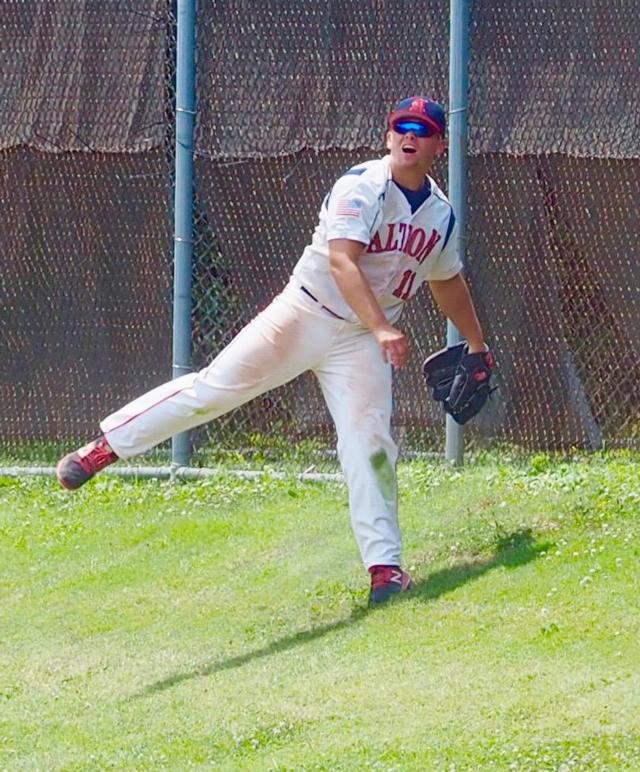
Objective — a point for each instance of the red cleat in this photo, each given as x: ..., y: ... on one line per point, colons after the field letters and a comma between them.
x: 76, y: 468
x: 387, y: 581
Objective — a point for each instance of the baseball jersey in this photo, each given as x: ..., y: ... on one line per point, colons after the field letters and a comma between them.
x: 403, y: 248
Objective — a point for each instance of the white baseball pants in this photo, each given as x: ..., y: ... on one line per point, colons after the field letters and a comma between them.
x: 292, y: 335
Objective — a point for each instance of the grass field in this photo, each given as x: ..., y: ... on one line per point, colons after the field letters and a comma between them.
x: 223, y: 624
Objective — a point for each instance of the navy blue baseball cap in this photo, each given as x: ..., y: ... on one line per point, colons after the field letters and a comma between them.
x: 422, y: 109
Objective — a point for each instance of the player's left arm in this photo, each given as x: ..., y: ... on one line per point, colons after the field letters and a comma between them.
x: 454, y: 299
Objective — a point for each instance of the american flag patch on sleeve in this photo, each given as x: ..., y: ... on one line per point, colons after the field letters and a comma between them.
x: 349, y: 207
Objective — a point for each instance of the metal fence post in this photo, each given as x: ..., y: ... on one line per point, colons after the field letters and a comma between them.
x: 458, y: 105
x: 183, y: 206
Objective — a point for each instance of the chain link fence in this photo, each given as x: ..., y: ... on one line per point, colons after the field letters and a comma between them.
x: 85, y: 209
x: 289, y: 96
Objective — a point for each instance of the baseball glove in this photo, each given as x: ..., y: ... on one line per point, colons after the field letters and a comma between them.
x: 460, y: 380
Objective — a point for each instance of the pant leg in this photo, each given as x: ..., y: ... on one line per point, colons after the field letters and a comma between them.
x: 286, y: 339
x: 356, y: 383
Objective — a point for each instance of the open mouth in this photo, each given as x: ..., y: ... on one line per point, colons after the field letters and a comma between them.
x: 408, y: 149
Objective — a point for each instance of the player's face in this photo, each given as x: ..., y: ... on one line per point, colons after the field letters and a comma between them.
x: 409, y: 152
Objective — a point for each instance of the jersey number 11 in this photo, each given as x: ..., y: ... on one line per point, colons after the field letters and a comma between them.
x: 403, y: 290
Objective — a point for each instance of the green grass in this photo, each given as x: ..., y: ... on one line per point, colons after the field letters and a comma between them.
x: 223, y: 624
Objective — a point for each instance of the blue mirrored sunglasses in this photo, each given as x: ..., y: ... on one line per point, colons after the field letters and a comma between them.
x: 419, y: 129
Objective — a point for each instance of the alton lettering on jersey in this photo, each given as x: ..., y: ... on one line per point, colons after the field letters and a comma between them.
x: 406, y: 238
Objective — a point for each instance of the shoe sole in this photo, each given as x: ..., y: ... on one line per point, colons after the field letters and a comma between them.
x: 392, y: 596
x: 63, y: 480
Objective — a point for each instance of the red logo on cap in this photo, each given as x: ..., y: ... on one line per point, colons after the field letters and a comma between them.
x: 418, y: 106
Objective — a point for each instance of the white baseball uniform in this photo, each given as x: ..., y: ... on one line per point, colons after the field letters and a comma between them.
x: 310, y: 326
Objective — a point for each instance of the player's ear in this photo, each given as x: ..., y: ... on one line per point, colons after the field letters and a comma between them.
x: 387, y: 138
x: 442, y: 146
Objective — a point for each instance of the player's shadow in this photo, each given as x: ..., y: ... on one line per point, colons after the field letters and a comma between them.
x: 512, y: 550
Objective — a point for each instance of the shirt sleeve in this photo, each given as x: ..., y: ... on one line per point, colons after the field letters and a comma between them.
x: 351, y: 210
x: 448, y: 262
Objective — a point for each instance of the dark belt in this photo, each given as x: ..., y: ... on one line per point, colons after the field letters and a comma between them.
x: 306, y: 292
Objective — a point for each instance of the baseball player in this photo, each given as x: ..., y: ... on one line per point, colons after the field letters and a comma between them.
x: 384, y: 229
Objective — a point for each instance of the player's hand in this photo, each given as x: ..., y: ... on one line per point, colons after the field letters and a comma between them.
x: 393, y: 344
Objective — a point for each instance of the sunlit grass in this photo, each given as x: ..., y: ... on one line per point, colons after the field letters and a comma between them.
x: 223, y: 624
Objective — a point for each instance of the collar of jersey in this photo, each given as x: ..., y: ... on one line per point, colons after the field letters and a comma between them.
x: 415, y: 198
